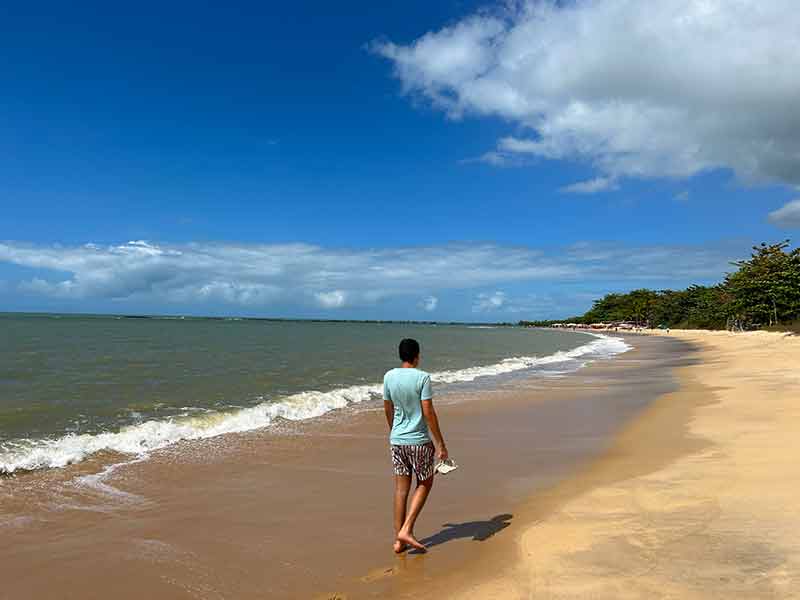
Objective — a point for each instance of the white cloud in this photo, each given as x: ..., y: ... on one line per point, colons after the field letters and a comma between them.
x: 329, y: 278
x: 332, y: 299
x: 429, y: 303
x: 496, y: 159
x: 493, y: 158
x: 788, y: 216
x: 262, y: 274
x: 591, y: 186
x: 639, y: 89
x: 529, y: 304
x: 489, y: 302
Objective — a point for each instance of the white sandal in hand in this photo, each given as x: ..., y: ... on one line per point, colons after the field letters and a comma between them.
x: 446, y: 466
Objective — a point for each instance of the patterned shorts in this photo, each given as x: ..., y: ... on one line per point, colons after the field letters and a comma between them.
x: 418, y: 459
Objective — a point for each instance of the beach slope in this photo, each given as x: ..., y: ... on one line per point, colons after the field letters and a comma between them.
x: 697, y: 498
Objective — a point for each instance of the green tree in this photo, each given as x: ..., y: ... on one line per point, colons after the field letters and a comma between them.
x: 765, y: 289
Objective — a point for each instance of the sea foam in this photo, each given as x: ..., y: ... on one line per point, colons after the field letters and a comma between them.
x: 143, y: 438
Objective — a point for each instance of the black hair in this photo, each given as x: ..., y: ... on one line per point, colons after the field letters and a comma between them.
x: 408, y: 350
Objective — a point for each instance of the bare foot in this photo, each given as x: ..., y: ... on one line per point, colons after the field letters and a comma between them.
x: 408, y: 538
x: 399, y: 547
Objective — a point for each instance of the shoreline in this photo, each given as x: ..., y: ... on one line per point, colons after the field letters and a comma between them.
x: 304, y: 510
x: 696, y: 497
x: 153, y: 434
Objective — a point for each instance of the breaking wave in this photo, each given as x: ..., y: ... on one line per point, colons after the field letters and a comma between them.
x: 140, y: 439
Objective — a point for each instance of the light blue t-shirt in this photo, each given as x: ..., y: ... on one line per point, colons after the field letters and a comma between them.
x: 406, y: 389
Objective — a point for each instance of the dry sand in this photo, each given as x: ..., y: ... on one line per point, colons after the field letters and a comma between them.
x: 698, y: 498
x: 620, y: 481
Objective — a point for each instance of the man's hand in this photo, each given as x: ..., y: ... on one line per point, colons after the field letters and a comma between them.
x: 442, y: 453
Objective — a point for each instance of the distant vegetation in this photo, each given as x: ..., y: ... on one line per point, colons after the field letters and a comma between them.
x: 764, y: 291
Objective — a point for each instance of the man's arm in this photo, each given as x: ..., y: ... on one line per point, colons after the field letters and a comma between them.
x: 433, y: 426
x: 388, y: 408
x: 388, y: 405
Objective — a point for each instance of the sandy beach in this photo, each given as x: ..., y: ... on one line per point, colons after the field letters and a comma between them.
x: 667, y: 472
x: 267, y: 268
x: 305, y: 511
x: 697, y: 497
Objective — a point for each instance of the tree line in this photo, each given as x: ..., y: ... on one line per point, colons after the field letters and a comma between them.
x: 763, y: 291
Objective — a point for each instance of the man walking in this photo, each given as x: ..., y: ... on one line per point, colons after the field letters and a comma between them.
x: 408, y: 404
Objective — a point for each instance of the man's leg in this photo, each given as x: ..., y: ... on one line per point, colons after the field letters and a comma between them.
x: 402, y: 485
x: 406, y: 532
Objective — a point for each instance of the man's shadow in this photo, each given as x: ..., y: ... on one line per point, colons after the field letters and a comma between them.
x: 479, y: 531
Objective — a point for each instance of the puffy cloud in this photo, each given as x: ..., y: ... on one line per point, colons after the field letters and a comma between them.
x: 640, y: 89
x: 253, y: 275
x: 332, y: 299
x: 489, y: 302
x: 788, y: 216
x: 429, y: 303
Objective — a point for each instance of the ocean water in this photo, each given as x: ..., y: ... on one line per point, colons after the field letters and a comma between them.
x: 72, y: 386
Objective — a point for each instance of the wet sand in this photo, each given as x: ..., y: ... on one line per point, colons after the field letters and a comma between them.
x: 304, y: 512
x: 697, y: 497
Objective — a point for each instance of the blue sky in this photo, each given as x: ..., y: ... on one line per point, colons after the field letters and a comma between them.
x: 387, y: 160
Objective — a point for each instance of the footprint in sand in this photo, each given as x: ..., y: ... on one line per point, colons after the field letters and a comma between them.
x: 379, y: 574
